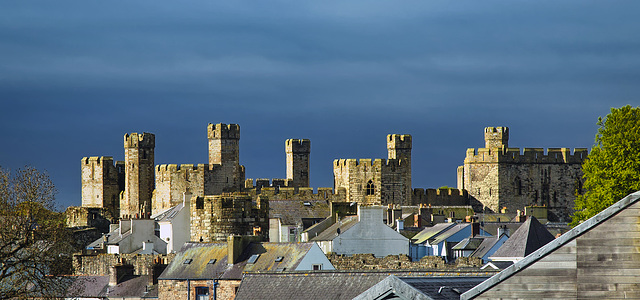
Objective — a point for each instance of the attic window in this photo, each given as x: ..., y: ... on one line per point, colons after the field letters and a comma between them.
x: 253, y: 258
x: 280, y: 269
x: 307, y: 203
x: 187, y: 261
x: 212, y: 261
x: 279, y: 258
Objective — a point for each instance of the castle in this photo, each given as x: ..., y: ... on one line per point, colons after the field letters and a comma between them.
x: 491, y: 178
x: 499, y: 177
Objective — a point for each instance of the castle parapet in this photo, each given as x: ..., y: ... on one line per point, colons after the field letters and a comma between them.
x: 440, y: 197
x: 528, y: 155
x: 298, y: 145
x: 135, y: 140
x: 164, y: 171
x: 223, y: 131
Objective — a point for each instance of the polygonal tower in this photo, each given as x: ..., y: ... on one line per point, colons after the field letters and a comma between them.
x: 224, y: 157
x: 102, y: 183
x: 496, y: 137
x: 139, y: 175
x: 298, y: 151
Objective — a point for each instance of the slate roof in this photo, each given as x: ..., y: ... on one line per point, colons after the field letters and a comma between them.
x: 113, y: 238
x: 550, y: 247
x: 330, y: 233
x: 307, y: 286
x: 201, y: 254
x: 98, y: 287
x: 528, y: 238
x: 449, y: 232
x: 420, y: 288
x: 470, y: 243
x: 291, y: 212
x: 430, y: 232
x: 169, y: 214
x: 485, y: 246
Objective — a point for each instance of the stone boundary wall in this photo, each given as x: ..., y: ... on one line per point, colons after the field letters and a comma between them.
x: 398, y: 262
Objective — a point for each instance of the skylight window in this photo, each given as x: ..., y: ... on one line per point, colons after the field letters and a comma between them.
x: 187, y: 261
x: 253, y: 258
x: 212, y: 261
x: 279, y: 258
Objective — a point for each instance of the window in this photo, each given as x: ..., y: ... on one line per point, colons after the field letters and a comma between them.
x: 518, y: 185
x: 187, y: 261
x: 371, y: 188
x: 202, y: 293
x: 199, y: 203
x: 279, y: 258
x: 253, y: 259
x: 316, y: 267
x: 212, y: 261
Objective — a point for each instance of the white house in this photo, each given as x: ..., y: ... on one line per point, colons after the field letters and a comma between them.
x: 364, y: 233
x: 174, y: 226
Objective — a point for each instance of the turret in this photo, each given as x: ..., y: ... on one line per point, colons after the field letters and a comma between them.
x: 298, y: 151
x: 496, y: 137
x: 223, y: 143
x: 399, y: 146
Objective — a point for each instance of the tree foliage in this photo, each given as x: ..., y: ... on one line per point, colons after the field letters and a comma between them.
x: 612, y: 170
x: 34, y: 242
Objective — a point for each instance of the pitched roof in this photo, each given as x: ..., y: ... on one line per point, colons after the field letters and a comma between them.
x: 308, y: 286
x: 209, y: 260
x: 528, y: 238
x: 430, y: 232
x: 421, y: 287
x: 550, y: 247
x: 485, y: 246
x: 470, y: 243
x: 330, y: 233
x: 291, y: 212
x: 168, y: 214
x: 449, y: 232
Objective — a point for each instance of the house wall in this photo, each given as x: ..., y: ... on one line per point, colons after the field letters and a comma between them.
x: 601, y: 263
x: 177, y: 231
x: 314, y: 256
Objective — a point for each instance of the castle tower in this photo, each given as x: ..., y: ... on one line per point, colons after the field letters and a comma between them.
x: 298, y: 151
x: 224, y: 145
x: 102, y: 183
x: 224, y: 157
x: 139, y: 175
x: 399, y: 147
x: 496, y: 137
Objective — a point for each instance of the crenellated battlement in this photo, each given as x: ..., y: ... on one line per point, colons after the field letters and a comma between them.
x: 378, y: 162
x: 182, y: 167
x: 298, y: 146
x: 440, y: 196
x: 399, y: 141
x: 99, y: 160
x: 223, y: 131
x: 135, y: 140
x: 527, y: 156
x: 496, y: 137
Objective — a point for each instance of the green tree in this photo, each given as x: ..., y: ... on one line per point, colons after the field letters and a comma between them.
x: 612, y: 170
x: 35, y: 244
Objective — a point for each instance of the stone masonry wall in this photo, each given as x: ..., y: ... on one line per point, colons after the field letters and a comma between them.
x: 102, y: 182
x: 214, y: 218
x: 397, y: 262
x: 99, y: 264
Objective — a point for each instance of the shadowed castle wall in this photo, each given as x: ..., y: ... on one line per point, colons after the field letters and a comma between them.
x: 139, y: 175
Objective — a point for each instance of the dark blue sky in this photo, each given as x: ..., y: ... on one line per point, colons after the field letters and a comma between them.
x: 75, y: 76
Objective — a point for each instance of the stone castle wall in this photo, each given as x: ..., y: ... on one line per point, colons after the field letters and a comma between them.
x: 378, y: 181
x: 224, y: 158
x: 440, y: 197
x: 102, y: 183
x: 500, y: 177
x: 214, y: 218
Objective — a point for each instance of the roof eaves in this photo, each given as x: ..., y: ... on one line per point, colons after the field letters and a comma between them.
x: 553, y: 245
